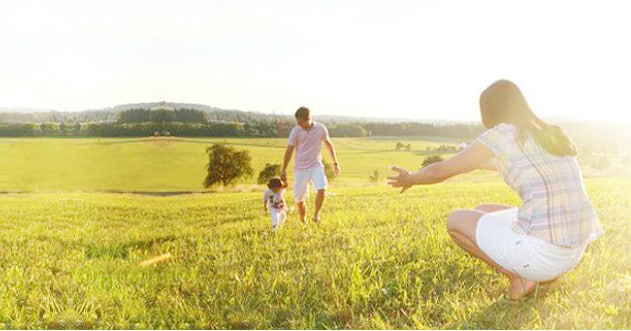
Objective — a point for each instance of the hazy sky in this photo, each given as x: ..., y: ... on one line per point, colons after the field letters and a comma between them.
x: 412, y: 59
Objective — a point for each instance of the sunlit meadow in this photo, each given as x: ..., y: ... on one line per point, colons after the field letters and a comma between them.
x: 70, y: 248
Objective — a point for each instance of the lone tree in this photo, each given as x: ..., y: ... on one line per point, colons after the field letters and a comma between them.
x: 226, y: 165
x: 270, y: 171
x: 601, y: 163
x: 432, y: 159
x: 375, y: 177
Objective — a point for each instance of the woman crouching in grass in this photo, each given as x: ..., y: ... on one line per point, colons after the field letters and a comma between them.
x: 547, y: 234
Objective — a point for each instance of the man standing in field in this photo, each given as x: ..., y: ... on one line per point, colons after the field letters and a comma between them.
x: 307, y: 138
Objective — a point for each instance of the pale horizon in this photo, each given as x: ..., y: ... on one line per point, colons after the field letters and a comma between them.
x: 417, y: 60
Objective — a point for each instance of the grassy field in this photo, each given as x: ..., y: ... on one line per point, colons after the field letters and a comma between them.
x: 171, y: 164
x: 379, y: 260
x: 177, y: 164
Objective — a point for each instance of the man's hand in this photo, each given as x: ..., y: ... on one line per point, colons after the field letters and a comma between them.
x: 336, y: 169
x: 404, y: 180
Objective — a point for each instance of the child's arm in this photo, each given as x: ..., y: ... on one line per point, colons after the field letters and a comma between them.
x: 265, y: 197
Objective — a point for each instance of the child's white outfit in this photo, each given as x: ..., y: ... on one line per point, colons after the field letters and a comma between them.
x: 276, y: 206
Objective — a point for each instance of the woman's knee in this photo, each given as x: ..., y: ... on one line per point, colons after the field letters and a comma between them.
x: 453, y: 219
x: 463, y: 219
x: 456, y: 218
x: 491, y: 207
x: 484, y: 207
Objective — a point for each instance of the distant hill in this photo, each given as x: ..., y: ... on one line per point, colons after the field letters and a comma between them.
x: 213, y: 114
x: 20, y: 122
x: 110, y: 114
x: 11, y: 115
x: 580, y: 130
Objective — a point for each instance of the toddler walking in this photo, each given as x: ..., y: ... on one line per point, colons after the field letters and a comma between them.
x: 274, y: 202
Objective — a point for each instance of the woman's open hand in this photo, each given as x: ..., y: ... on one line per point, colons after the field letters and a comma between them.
x: 404, y: 179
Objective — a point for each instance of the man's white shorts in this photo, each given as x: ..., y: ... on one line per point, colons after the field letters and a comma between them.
x: 302, y: 178
x: 527, y: 256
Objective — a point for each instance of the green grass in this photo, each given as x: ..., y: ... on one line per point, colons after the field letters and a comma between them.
x: 179, y: 164
x: 176, y: 164
x: 380, y: 260
x: 69, y: 257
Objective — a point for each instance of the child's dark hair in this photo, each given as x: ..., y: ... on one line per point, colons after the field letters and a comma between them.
x: 275, y: 182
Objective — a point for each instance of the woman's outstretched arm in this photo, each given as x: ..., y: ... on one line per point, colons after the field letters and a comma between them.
x: 471, y: 158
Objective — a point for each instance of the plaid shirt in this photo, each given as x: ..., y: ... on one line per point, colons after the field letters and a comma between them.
x: 555, y: 206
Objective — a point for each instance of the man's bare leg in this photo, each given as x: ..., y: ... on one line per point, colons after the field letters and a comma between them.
x: 302, y: 211
x: 320, y: 195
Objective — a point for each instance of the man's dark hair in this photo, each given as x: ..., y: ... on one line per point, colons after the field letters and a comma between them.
x: 302, y: 112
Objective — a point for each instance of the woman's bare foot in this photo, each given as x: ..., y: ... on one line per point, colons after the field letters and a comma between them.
x: 520, y: 288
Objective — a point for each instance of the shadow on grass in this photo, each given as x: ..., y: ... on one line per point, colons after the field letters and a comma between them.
x: 510, y: 314
x: 122, y: 250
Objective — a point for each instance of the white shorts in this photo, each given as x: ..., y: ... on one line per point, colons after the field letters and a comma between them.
x: 302, y: 178
x: 527, y: 256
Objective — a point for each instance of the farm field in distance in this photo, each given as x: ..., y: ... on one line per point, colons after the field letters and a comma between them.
x: 170, y: 164
x: 179, y: 164
x: 380, y: 260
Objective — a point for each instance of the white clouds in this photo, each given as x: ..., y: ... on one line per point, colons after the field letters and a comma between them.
x: 416, y: 59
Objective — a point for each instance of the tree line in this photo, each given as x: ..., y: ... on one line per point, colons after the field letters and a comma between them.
x: 165, y: 121
x: 226, y: 129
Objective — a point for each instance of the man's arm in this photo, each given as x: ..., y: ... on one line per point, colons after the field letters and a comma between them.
x: 329, y: 146
x: 288, y: 153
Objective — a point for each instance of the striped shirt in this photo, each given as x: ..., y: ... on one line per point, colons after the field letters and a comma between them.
x: 555, y: 206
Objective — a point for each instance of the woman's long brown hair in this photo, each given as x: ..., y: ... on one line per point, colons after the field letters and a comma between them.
x: 503, y: 102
